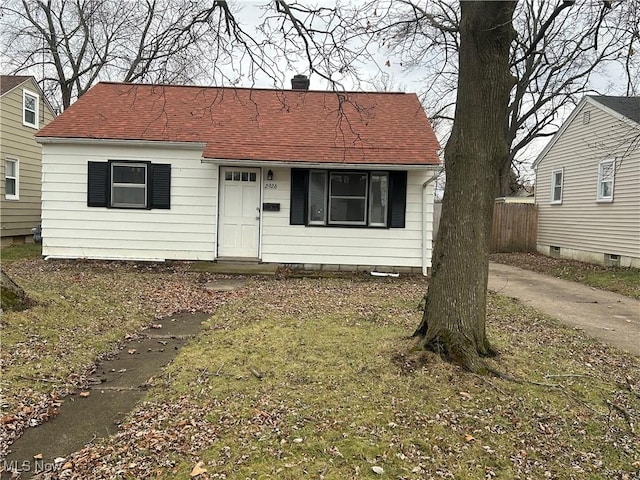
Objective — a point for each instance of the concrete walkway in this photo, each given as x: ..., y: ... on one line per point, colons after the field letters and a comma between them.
x: 607, y: 316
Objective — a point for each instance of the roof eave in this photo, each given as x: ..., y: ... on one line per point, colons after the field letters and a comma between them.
x: 321, y: 165
x: 114, y: 141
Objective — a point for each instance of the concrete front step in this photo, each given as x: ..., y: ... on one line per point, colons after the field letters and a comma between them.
x: 235, y: 268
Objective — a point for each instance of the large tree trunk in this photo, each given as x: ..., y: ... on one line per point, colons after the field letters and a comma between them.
x: 453, y: 323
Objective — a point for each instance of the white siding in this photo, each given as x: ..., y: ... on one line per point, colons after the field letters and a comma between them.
x: 581, y: 226
x: 298, y: 244
x: 187, y: 231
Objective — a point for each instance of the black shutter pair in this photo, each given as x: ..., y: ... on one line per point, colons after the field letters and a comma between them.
x: 158, y: 185
x: 397, y: 197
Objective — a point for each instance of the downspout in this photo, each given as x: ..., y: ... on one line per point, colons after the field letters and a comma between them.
x: 426, y: 240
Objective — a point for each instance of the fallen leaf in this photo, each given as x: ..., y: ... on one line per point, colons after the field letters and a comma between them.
x: 198, y: 470
x: 469, y: 438
x: 131, y: 351
x: 7, y: 419
x: 67, y: 466
x: 38, y: 456
x: 466, y: 395
x: 156, y: 325
x: 377, y: 470
x: 85, y: 394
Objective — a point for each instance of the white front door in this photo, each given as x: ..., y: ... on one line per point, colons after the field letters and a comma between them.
x: 239, y: 213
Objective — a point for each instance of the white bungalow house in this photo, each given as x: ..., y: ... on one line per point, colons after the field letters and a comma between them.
x: 588, y: 184
x: 295, y: 177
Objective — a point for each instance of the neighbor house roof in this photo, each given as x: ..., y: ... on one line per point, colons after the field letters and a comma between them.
x: 257, y: 124
x: 9, y: 82
x: 626, y: 106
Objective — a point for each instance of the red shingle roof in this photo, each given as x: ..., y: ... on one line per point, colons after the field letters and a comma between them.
x: 256, y: 124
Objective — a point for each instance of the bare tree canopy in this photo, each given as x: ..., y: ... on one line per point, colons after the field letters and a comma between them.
x: 563, y: 50
x: 75, y: 43
x: 72, y: 44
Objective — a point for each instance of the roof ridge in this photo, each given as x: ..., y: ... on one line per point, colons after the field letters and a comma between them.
x: 218, y: 87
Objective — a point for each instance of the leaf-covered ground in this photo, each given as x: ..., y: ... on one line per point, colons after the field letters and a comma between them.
x: 83, y: 311
x: 625, y: 281
x: 316, y: 378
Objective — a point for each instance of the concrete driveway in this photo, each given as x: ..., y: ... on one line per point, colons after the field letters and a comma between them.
x: 612, y: 318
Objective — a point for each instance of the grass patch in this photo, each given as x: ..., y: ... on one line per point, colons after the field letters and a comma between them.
x: 20, y: 252
x: 71, y: 325
x: 621, y: 280
x: 82, y: 311
x: 315, y: 378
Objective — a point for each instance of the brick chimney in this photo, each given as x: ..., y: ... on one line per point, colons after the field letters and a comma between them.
x: 300, y: 82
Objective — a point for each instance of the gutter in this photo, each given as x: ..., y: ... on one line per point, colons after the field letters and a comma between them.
x: 425, y: 239
x: 131, y: 143
x: 316, y: 165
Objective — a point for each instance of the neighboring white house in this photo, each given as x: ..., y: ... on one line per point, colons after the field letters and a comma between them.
x: 588, y: 184
x: 295, y: 177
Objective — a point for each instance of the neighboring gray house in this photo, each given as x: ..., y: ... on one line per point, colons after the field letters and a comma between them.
x: 588, y: 184
x: 23, y: 110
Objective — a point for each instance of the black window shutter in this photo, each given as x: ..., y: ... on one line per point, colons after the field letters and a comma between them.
x: 397, y: 198
x: 299, y: 187
x: 98, y: 184
x: 159, y: 184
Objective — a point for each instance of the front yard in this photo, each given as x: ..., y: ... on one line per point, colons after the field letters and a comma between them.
x: 315, y: 378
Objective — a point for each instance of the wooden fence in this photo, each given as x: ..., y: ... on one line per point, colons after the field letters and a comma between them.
x: 515, y: 227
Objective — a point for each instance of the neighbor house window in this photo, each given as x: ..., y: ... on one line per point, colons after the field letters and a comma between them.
x: 11, y: 174
x: 30, y: 102
x: 348, y: 198
x: 557, y: 180
x: 606, y: 174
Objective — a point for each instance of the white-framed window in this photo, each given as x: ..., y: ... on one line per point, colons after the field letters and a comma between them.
x: 557, y: 182
x: 378, y: 199
x: 317, y: 197
x: 606, y: 176
x: 348, y: 198
x: 30, y: 107
x: 129, y: 185
x: 11, y: 179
